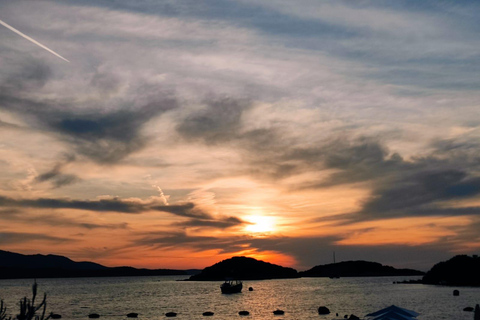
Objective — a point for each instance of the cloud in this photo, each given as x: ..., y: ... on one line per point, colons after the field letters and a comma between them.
x: 196, y: 217
x: 107, y: 138
x: 217, y: 223
x: 55, y: 175
x: 8, y: 238
x: 420, y: 186
x: 219, y: 121
x: 103, y: 135
x: 102, y: 205
x: 56, y: 220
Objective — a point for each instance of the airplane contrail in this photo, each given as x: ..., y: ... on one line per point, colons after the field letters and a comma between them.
x: 32, y: 40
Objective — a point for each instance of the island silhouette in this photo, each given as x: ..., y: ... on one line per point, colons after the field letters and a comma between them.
x: 357, y: 269
x: 244, y: 268
x: 461, y: 270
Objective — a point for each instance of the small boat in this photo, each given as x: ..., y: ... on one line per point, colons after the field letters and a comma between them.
x: 231, y: 286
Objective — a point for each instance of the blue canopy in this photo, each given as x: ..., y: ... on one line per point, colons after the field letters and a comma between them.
x: 393, y: 313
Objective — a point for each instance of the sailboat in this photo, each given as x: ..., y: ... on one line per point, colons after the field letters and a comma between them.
x: 334, y: 276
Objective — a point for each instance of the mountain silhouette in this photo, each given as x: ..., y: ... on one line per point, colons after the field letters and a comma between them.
x: 244, y: 268
x: 35, y: 261
x: 16, y: 265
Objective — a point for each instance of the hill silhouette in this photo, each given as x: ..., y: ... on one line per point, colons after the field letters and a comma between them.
x: 357, y: 269
x: 461, y: 270
x: 16, y: 265
x: 244, y: 268
x: 17, y: 260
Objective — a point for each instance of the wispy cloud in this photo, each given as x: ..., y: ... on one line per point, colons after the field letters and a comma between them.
x: 8, y: 238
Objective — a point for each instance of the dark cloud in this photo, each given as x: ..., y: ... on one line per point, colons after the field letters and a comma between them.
x: 7, y: 238
x: 400, y: 188
x: 181, y: 239
x: 55, y: 175
x: 183, y: 210
x: 174, y: 239
x: 107, y: 137
x: 56, y: 220
x: 102, y: 205
x: 422, y: 188
x: 104, y: 135
x: 33, y: 75
x: 217, y: 223
x: 196, y: 217
x: 218, y: 122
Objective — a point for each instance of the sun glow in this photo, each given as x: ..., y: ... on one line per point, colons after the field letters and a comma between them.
x: 260, y: 224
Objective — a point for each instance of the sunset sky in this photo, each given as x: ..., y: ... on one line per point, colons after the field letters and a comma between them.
x: 184, y: 132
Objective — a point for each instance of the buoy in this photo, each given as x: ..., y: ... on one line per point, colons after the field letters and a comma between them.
x: 170, y: 314
x: 94, y: 315
x: 278, y: 312
x: 456, y: 293
x: 132, y: 315
x: 244, y: 313
x: 207, y: 314
x: 55, y: 316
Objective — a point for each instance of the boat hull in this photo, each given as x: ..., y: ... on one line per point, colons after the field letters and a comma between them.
x: 228, y: 288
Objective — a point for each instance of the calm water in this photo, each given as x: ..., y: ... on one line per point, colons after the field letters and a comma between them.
x: 152, y: 297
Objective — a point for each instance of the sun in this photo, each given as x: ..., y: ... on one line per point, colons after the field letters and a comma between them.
x: 260, y: 224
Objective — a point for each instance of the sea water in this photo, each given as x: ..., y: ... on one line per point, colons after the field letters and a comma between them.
x: 152, y: 297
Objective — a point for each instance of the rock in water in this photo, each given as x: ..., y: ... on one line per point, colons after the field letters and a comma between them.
x: 170, y: 314
x: 278, y: 312
x: 94, y: 316
x: 208, y: 314
x: 244, y: 313
x: 323, y: 310
x: 456, y: 293
x: 132, y: 315
x: 469, y: 309
x: 477, y: 313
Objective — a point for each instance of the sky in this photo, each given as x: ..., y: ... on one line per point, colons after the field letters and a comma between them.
x: 178, y: 133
